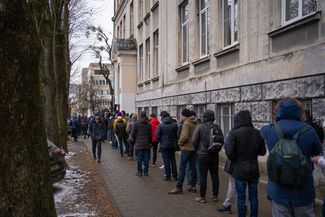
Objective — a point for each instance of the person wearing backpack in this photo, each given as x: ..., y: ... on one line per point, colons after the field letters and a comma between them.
x: 243, y: 145
x: 207, y: 140
x: 294, y: 200
x: 320, y: 161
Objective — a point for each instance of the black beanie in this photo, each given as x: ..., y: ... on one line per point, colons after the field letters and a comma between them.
x: 186, y: 113
x: 164, y: 114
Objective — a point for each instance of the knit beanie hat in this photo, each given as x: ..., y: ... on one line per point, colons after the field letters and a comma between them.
x: 143, y: 114
x: 186, y: 113
x: 119, y: 114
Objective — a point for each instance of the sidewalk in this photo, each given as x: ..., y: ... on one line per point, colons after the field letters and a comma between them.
x: 147, y: 196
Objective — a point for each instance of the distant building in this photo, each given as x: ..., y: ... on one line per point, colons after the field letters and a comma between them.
x: 94, y: 92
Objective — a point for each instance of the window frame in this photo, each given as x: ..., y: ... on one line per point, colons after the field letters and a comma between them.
x: 141, y: 63
x: 230, y: 115
x: 232, y: 25
x: 156, y: 53
x: 300, y: 10
x: 131, y: 18
x: 184, y: 23
x: 148, y: 62
x: 202, y: 11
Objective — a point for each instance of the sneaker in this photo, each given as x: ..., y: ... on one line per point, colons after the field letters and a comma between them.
x: 225, y: 209
x: 162, y: 167
x: 191, y: 188
x: 98, y: 161
x: 200, y: 199
x: 166, y: 179
x: 176, y: 191
x: 145, y: 174
x: 215, y: 198
x: 153, y: 165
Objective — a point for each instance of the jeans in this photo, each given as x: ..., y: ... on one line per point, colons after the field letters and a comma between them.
x: 97, y: 144
x: 188, y: 172
x: 169, y: 162
x: 279, y: 210
x: 142, y: 157
x: 241, y: 197
x: 121, y: 145
x: 114, y: 140
x: 209, y: 163
x: 154, y: 152
x: 131, y: 149
x: 324, y: 207
x: 187, y: 156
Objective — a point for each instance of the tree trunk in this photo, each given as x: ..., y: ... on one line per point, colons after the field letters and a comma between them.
x: 25, y: 179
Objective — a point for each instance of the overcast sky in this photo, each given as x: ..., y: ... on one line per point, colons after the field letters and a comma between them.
x: 102, y: 12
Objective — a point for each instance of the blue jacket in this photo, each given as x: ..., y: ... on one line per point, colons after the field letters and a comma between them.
x: 167, y: 134
x: 288, y: 115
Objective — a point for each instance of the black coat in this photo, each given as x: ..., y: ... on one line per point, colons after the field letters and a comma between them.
x: 142, y: 134
x: 167, y: 134
x: 120, y: 129
x: 243, y: 145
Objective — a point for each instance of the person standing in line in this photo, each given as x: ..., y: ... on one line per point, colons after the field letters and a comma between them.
x: 141, y: 136
x: 120, y: 131
x: 96, y: 131
x: 188, y: 153
x: 208, y: 157
x: 167, y: 137
x: 154, y: 125
x: 288, y: 201
x: 320, y: 161
x: 74, y: 124
x: 129, y: 127
x: 243, y: 145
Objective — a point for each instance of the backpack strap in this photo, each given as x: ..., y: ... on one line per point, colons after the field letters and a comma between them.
x: 278, y: 130
x: 301, y: 131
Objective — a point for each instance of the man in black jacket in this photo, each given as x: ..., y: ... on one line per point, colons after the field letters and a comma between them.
x: 142, y: 136
x: 243, y: 145
x: 96, y: 131
x: 167, y: 137
x: 208, y: 160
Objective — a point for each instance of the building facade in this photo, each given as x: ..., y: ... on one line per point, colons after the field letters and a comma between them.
x: 94, y: 93
x: 225, y: 55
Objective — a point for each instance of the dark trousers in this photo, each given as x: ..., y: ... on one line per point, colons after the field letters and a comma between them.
x: 114, y: 140
x: 84, y: 131
x: 97, y: 144
x: 241, y: 197
x: 74, y: 134
x: 154, y: 148
x: 324, y: 207
x: 121, y: 145
x: 209, y: 163
x: 187, y: 156
x: 169, y: 162
x: 142, y: 158
x: 131, y: 149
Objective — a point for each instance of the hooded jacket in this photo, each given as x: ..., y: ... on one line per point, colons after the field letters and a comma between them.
x: 167, y: 134
x: 120, y: 128
x: 201, y: 135
x: 243, y: 145
x: 154, y: 125
x: 96, y: 130
x: 185, y: 138
x: 142, y: 134
x: 288, y: 115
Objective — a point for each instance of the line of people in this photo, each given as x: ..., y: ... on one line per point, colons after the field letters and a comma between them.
x: 201, y: 142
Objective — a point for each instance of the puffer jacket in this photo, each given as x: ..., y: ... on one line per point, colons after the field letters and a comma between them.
x: 167, y: 134
x: 243, y: 145
x: 154, y: 125
x: 288, y: 116
x: 96, y: 130
x: 185, y: 138
x: 201, y: 135
x: 142, y: 134
x: 120, y: 128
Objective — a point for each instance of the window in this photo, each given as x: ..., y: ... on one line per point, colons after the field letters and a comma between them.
x: 97, y: 72
x: 155, y: 53
x: 293, y: 10
x: 230, y: 22
x: 106, y: 82
x: 147, y: 5
x: 225, y: 117
x: 140, y: 10
x: 118, y: 32
x: 141, y: 62
x: 184, y: 33
x: 204, y: 27
x: 139, y: 111
x: 96, y: 82
x: 154, y: 110
x: 123, y: 27
x: 199, y: 109
x: 131, y: 19
x: 148, y: 59
x: 146, y: 109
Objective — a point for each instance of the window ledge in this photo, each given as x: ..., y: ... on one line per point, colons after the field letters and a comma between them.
x: 146, y: 17
x: 147, y: 82
x: 201, y: 60
x: 140, y: 85
x: 229, y: 49
x: 140, y: 24
x: 155, y: 6
x: 155, y: 78
x: 316, y: 16
x: 183, y: 67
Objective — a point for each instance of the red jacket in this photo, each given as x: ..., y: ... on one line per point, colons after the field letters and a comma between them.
x: 154, y: 125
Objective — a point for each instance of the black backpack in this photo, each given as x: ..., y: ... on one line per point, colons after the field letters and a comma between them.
x: 214, y: 145
x: 286, y: 165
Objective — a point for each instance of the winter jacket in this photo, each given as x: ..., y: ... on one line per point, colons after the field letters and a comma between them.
x: 74, y: 123
x: 167, y: 134
x: 288, y: 116
x: 96, y: 129
x: 201, y: 135
x: 120, y: 128
x: 142, y: 134
x: 185, y: 138
x: 115, y: 121
x: 243, y: 145
x: 154, y: 125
